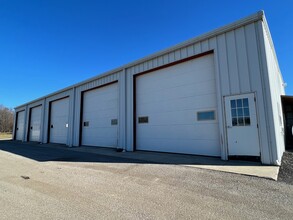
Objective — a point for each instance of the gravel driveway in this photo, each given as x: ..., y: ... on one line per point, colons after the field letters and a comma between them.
x: 125, y: 189
x: 286, y: 169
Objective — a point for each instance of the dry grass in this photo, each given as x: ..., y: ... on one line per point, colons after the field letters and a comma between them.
x: 5, y: 136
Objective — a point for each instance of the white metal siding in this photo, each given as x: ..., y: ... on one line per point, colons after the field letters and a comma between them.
x: 20, y: 125
x: 237, y: 68
x: 240, y: 58
x: 100, y: 106
x: 171, y: 98
x: 59, y: 121
x: 276, y: 89
x: 35, y: 123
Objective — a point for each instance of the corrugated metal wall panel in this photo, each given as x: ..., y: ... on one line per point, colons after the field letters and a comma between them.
x: 274, y: 94
x: 129, y: 112
x: 204, y: 46
x: 98, y: 82
x: 77, y: 111
x: 232, y: 62
x: 190, y: 50
x: 256, y: 81
x: 183, y: 53
x: 197, y: 48
x: 220, y: 110
x: 172, y: 57
x: 252, y: 55
x: 242, y: 60
x: 177, y: 55
x: 155, y: 63
x: 223, y: 65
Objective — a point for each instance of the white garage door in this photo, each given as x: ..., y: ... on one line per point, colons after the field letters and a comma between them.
x: 20, y: 126
x: 100, y: 117
x: 35, y: 123
x: 176, y: 109
x: 59, y: 116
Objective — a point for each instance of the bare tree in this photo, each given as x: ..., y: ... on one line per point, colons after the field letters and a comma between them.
x: 6, y: 119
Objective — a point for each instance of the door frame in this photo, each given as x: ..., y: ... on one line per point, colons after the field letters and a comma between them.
x: 50, y: 114
x: 16, y: 124
x: 257, y: 158
x: 82, y: 105
x: 134, y: 77
x: 285, y: 101
x: 29, y: 121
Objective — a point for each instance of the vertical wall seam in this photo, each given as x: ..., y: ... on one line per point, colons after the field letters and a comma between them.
x: 220, y: 101
x: 227, y: 62
x: 261, y: 66
x: 248, y: 63
x: 237, y: 61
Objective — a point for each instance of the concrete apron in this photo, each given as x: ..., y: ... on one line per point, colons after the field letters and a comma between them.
x: 210, y: 163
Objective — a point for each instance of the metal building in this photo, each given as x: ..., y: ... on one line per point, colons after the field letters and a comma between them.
x: 218, y: 94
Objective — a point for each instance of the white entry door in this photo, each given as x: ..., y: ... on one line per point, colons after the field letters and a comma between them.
x: 241, y: 124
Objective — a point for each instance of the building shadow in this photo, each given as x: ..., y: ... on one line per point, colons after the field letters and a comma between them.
x: 61, y: 153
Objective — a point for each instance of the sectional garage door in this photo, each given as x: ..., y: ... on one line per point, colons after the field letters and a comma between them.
x: 100, y: 116
x: 35, y: 123
x: 176, y: 109
x: 20, y: 125
x: 59, y: 115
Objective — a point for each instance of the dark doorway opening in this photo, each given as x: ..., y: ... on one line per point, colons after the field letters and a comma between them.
x: 287, y: 103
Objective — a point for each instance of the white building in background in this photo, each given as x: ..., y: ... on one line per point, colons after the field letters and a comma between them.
x: 218, y: 94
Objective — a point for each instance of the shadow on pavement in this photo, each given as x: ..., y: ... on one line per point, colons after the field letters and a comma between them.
x: 56, y: 152
x: 52, y: 152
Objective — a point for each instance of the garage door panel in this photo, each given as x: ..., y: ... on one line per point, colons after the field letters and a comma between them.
x: 100, y: 142
x: 59, y: 116
x: 190, y: 103
x: 100, y: 107
x: 180, y: 132
x: 104, y: 116
x: 176, y: 77
x: 202, y: 147
x: 175, y: 93
x: 109, y: 103
x: 171, y: 98
x: 20, y: 125
x: 103, y: 132
x: 35, y: 123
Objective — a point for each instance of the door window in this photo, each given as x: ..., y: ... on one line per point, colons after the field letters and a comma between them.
x: 240, y: 112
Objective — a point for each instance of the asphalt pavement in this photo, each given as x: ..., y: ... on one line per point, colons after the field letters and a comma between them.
x: 55, y: 183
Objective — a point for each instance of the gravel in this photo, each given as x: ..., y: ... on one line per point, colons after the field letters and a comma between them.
x: 286, y: 169
x: 111, y: 188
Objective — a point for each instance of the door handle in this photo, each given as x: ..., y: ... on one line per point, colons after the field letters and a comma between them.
x: 231, y: 127
x: 292, y: 130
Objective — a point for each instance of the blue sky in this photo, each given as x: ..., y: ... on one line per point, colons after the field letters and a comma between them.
x: 48, y: 45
